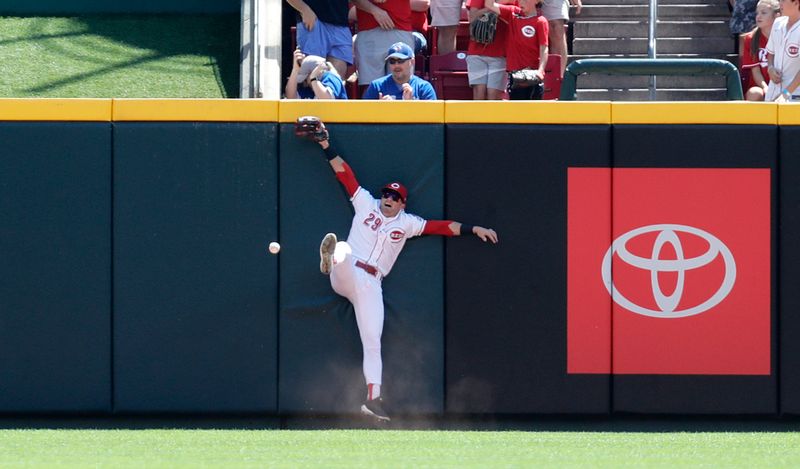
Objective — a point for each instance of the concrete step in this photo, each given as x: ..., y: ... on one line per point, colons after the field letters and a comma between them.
x: 624, y: 45
x: 639, y: 28
x: 682, y: 11
x: 644, y: 95
x: 596, y: 81
x: 660, y: 2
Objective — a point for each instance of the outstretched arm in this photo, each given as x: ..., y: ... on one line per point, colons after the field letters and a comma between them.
x: 454, y: 228
x: 341, y: 169
x: 312, y: 128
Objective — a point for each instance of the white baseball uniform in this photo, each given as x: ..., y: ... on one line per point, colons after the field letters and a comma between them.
x: 785, y: 47
x: 361, y: 262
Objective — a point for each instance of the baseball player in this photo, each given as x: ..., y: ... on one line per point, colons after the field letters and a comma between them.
x: 379, y: 230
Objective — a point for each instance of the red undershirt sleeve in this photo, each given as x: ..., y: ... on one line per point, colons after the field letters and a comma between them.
x: 438, y: 227
x: 348, y: 180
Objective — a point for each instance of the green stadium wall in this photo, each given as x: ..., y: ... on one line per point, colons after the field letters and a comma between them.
x: 136, y: 278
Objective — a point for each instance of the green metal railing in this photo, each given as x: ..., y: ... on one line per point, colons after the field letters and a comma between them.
x: 683, y: 67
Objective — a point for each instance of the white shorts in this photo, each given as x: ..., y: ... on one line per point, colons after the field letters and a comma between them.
x: 371, y: 47
x: 445, y: 12
x: 555, y: 9
x: 489, y: 71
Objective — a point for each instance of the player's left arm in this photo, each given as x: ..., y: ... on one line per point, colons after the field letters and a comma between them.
x: 341, y: 169
x: 454, y: 228
x: 543, y: 47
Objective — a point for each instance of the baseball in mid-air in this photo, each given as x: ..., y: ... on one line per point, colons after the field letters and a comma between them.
x: 274, y: 247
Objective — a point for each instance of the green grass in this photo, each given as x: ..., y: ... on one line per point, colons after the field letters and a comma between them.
x: 116, y: 56
x: 365, y: 448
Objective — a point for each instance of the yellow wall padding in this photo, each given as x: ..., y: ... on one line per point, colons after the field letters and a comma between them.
x: 527, y: 112
x: 365, y: 112
x: 196, y: 110
x: 729, y: 112
x: 84, y: 110
x: 432, y: 112
x: 789, y: 114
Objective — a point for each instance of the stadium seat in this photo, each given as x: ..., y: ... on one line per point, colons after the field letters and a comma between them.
x: 449, y: 75
x: 552, y: 77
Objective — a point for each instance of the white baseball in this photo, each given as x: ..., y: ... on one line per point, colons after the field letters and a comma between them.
x: 274, y: 247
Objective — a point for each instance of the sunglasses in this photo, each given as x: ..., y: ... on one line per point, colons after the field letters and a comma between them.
x: 392, y: 195
x: 393, y: 61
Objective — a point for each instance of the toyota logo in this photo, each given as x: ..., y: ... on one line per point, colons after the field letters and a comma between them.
x: 667, y: 304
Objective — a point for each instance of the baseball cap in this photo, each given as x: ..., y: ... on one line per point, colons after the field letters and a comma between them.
x: 308, y: 65
x: 397, y: 187
x: 400, y: 50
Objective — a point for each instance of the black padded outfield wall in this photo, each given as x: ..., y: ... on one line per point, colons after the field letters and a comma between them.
x: 320, y: 350
x: 694, y: 269
x: 790, y: 269
x: 55, y: 279
x: 507, y: 324
x: 195, y: 290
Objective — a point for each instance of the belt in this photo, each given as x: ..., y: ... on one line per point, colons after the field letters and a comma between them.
x: 372, y: 270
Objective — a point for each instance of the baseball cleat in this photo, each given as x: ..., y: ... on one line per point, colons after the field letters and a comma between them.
x: 326, y: 248
x: 374, y: 407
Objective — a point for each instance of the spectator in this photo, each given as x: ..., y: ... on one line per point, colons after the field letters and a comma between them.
x: 743, y: 19
x: 313, y: 78
x: 557, y: 14
x: 783, y: 55
x: 754, y: 53
x: 323, y: 30
x: 401, y: 83
x: 526, y: 46
x: 419, y: 24
x: 445, y: 16
x: 486, y: 63
x: 419, y: 15
x: 381, y: 23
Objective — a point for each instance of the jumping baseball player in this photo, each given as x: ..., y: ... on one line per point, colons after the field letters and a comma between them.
x: 356, y: 267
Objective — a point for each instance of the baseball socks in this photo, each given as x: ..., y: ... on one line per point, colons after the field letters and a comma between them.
x: 373, y: 391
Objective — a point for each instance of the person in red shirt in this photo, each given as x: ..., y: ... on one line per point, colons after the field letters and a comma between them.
x: 754, y: 53
x: 381, y: 23
x: 526, y: 45
x: 486, y: 63
x: 419, y: 15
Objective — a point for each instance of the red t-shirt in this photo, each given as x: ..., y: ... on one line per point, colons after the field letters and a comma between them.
x: 399, y: 11
x: 748, y: 62
x: 419, y: 21
x: 498, y: 47
x: 525, y: 36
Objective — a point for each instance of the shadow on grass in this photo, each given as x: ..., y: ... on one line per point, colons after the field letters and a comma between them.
x: 154, y: 38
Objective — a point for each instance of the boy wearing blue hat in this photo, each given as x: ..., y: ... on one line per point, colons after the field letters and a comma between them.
x: 401, y: 83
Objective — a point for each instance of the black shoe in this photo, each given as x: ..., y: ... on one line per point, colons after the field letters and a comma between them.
x: 374, y: 407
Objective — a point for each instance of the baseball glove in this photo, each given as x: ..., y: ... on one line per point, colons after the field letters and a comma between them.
x: 482, y: 29
x: 310, y: 128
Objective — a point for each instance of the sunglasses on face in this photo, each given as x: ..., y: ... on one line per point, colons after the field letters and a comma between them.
x: 394, y: 61
x: 392, y: 195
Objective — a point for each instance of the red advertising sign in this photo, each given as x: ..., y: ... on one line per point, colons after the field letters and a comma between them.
x: 668, y: 271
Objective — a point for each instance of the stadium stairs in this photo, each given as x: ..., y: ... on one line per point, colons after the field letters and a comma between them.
x: 686, y: 29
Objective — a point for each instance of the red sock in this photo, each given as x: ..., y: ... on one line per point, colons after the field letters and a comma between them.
x: 373, y: 391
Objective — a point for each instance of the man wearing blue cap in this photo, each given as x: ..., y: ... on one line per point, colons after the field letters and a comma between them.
x: 401, y: 83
